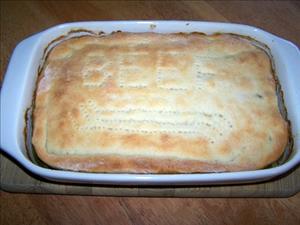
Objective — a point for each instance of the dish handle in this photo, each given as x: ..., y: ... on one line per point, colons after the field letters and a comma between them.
x: 14, y: 97
x: 290, y: 56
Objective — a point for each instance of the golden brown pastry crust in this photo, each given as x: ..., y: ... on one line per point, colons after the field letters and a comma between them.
x: 157, y: 103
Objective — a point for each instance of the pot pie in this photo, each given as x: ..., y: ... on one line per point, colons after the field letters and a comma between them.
x: 158, y: 103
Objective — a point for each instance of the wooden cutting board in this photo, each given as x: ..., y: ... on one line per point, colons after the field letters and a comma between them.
x: 15, y: 179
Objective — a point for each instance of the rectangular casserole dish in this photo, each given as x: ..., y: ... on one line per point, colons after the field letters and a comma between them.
x: 20, y: 80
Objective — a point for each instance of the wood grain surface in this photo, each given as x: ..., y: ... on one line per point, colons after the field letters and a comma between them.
x: 55, y: 209
x: 20, y: 19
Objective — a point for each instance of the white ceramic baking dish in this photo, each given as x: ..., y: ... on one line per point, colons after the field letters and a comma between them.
x: 20, y: 79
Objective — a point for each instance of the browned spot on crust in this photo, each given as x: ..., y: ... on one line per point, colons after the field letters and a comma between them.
x: 225, y: 149
x: 75, y: 113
